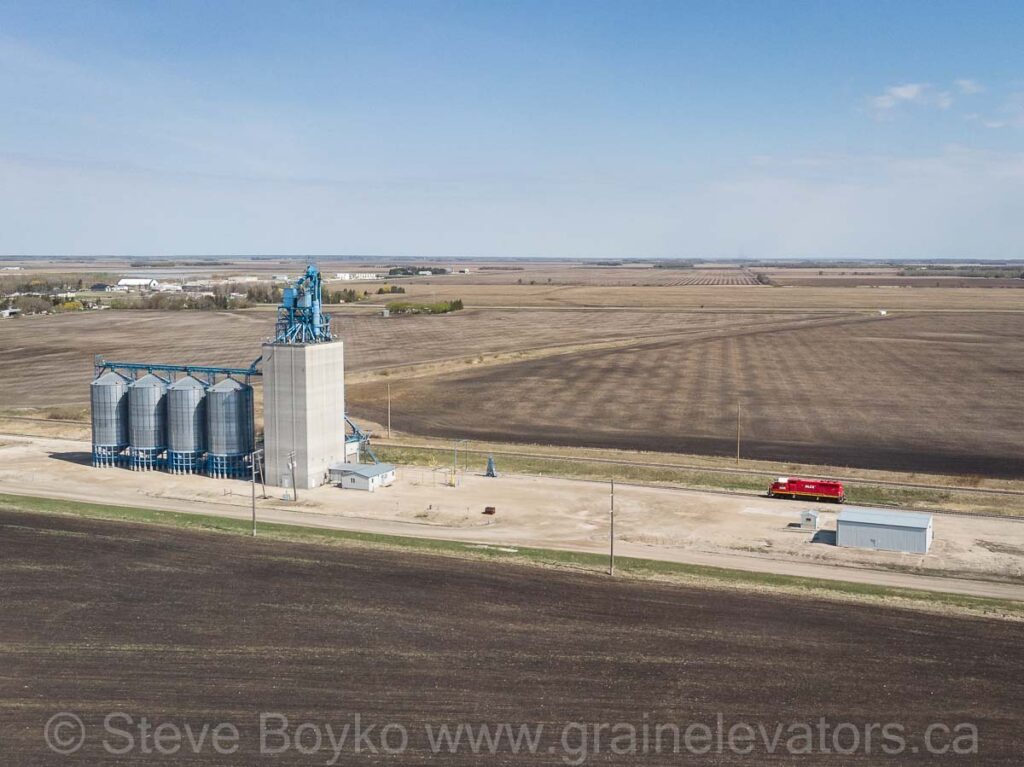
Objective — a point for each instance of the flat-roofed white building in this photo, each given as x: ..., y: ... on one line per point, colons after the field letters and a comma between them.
x: 362, y: 476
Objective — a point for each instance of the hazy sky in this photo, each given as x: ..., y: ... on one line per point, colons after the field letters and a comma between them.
x: 494, y: 128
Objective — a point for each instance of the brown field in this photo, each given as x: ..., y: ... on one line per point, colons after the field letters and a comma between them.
x: 900, y: 282
x: 201, y: 628
x: 580, y: 275
x: 723, y: 297
x: 48, y: 359
x: 932, y: 393
x: 822, y: 376
x: 846, y: 277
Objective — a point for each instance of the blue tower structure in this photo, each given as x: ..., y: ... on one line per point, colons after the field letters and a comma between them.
x: 300, y: 318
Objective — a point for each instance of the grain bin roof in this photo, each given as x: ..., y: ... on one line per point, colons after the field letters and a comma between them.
x: 150, y: 379
x: 188, y: 382
x: 885, y: 517
x: 111, y: 378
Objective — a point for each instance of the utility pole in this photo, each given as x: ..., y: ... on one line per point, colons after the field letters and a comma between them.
x: 253, y: 458
x: 389, y: 411
x: 455, y: 457
x: 291, y: 467
x: 739, y: 409
x: 611, y: 533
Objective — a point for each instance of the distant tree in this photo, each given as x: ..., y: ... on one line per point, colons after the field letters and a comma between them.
x: 32, y: 304
x: 263, y: 293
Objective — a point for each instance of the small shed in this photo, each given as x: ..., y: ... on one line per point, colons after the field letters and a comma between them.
x: 362, y: 476
x: 906, y: 531
x: 809, y: 520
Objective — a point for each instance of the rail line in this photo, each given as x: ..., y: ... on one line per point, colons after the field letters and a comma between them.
x: 689, y: 467
x: 748, y: 494
x: 692, y: 467
x: 641, y: 464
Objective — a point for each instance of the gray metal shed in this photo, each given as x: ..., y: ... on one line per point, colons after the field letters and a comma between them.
x: 905, y: 531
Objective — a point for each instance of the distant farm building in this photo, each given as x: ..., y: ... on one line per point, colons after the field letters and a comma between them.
x: 356, y: 276
x: 136, y: 283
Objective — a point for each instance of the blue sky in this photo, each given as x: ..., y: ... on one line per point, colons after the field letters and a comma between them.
x: 577, y: 129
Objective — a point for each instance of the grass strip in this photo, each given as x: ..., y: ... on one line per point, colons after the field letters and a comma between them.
x: 592, y: 563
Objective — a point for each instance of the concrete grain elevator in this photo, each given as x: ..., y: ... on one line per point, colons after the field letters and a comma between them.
x: 303, y: 390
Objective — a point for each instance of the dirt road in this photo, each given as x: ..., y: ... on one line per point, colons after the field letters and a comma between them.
x: 977, y: 557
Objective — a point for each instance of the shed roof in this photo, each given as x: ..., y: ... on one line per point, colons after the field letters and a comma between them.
x: 885, y: 517
x: 366, y: 470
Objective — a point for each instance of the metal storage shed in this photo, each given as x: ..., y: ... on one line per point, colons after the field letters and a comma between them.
x: 904, y: 531
x: 362, y: 476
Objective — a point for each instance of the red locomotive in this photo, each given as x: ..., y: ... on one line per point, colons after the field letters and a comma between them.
x: 807, y: 489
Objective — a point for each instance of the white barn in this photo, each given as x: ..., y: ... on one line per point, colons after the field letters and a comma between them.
x: 136, y: 283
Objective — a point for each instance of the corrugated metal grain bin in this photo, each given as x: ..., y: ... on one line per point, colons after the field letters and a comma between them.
x: 109, y: 399
x: 186, y: 425
x: 229, y: 428
x: 147, y: 421
x: 884, y: 530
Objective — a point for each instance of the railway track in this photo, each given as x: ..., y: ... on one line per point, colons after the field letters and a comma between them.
x: 724, y: 470
x: 685, y: 467
x: 748, y: 494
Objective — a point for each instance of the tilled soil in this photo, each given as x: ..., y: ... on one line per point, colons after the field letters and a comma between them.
x: 192, y: 628
x: 920, y: 393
